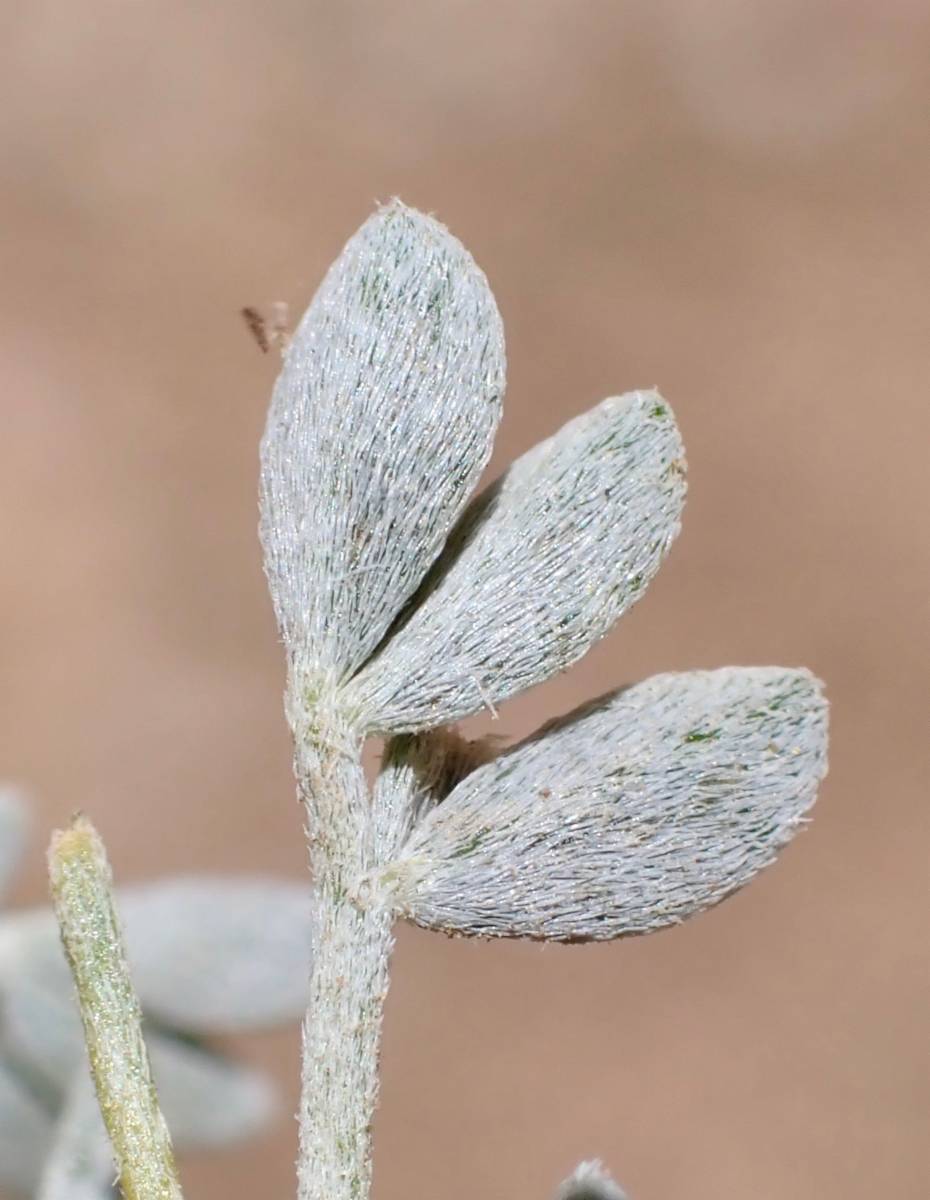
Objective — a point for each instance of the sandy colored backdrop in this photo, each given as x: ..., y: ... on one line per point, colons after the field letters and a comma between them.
x: 726, y: 198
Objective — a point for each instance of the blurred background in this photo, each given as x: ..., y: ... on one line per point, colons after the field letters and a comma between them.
x: 724, y: 198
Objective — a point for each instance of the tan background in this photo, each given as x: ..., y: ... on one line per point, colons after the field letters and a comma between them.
x: 727, y: 198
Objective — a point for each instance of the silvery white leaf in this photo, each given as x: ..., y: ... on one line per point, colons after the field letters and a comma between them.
x: 589, y: 1181
x: 219, y: 955
x: 79, y: 1164
x: 628, y: 815
x: 25, y: 1133
x: 380, y: 425
x: 208, y: 1100
x: 14, y: 828
x: 540, y: 567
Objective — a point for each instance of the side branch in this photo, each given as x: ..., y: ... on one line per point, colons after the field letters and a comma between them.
x: 82, y: 893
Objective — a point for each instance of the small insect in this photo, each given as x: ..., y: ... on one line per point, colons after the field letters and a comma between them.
x: 268, y: 334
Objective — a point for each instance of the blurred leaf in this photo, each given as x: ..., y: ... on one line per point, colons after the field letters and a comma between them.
x: 25, y: 1133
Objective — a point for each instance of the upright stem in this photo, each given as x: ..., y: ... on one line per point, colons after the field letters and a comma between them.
x: 349, y: 977
x: 340, y: 1065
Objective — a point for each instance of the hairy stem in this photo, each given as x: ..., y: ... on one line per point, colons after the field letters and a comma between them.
x: 340, y: 1066
x: 349, y: 979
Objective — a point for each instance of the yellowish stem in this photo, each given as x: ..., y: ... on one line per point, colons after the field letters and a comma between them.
x: 82, y: 891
